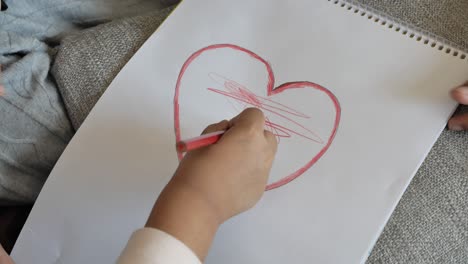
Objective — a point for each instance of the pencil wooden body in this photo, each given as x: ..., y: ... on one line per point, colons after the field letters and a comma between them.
x: 199, y: 142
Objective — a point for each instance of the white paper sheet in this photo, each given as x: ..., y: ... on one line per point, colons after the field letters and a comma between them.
x: 391, y: 104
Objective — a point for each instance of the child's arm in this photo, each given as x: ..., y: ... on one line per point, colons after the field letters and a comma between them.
x: 211, y: 185
x: 460, y: 122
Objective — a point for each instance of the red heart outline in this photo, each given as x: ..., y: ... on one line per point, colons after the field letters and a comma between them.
x: 271, y: 90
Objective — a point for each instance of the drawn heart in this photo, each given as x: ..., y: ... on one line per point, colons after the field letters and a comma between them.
x: 224, y: 79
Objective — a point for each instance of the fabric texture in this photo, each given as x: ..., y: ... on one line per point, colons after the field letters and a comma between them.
x: 153, y: 246
x: 35, y: 126
x: 83, y: 73
x: 430, y: 224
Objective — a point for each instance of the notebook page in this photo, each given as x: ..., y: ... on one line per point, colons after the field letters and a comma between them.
x: 363, y: 101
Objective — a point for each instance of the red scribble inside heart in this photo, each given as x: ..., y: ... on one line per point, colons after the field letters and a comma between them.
x: 248, y: 98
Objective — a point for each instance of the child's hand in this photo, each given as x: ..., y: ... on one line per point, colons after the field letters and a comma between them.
x: 216, y: 182
x: 460, y: 122
x: 231, y: 174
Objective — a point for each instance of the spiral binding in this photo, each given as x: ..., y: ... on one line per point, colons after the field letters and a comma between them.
x: 412, y: 32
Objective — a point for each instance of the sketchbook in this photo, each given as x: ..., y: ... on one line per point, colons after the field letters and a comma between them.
x: 355, y: 100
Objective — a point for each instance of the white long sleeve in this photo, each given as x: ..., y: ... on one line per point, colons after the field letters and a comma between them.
x: 153, y: 246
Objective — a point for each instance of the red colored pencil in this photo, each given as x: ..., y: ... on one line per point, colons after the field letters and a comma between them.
x: 199, y: 142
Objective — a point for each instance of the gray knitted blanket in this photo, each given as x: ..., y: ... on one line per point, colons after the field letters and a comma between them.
x: 60, y: 55
x: 34, y: 125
